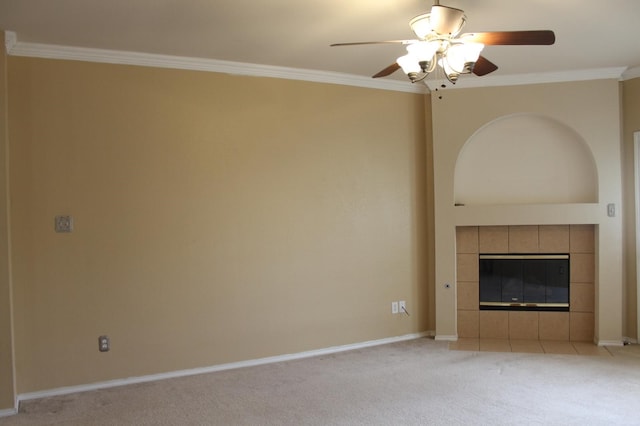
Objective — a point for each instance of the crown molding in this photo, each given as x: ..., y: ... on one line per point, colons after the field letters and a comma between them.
x: 631, y: 73
x: 14, y: 47
x: 51, y: 51
x: 520, y: 79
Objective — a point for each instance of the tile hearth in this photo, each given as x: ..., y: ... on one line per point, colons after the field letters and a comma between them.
x: 529, y: 346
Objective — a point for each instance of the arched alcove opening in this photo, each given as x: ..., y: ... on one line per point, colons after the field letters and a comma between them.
x: 525, y: 159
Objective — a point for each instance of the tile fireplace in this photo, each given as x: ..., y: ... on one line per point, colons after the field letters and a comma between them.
x: 576, y: 242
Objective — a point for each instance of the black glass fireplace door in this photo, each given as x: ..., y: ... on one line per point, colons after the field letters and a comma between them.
x: 529, y: 282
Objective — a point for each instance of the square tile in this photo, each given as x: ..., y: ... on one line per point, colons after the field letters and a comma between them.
x: 465, y: 344
x: 555, y: 347
x: 582, y: 267
x: 494, y: 324
x: 553, y: 326
x: 468, y: 295
x: 582, y: 238
x: 467, y: 239
x: 523, y: 239
x: 468, y: 324
x: 581, y: 327
x: 553, y: 239
x: 582, y: 297
x: 467, y: 267
x: 495, y: 345
x: 493, y: 239
x: 523, y: 325
x: 526, y: 346
x: 584, y: 348
x: 632, y: 351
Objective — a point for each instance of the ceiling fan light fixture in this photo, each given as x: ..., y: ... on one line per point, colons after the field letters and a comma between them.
x: 455, y: 58
x: 420, y: 58
x: 410, y: 64
x: 452, y: 75
x: 424, y: 50
x: 461, y: 57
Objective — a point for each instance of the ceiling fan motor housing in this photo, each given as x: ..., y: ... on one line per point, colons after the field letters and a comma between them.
x: 442, y: 20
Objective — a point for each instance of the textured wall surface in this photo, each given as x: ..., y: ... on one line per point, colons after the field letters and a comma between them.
x: 216, y: 218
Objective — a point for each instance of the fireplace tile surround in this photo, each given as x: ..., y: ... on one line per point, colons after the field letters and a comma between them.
x: 577, y: 325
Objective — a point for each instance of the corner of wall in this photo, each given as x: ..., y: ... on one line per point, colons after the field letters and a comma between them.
x: 8, y: 402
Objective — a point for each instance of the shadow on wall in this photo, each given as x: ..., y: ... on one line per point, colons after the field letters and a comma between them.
x: 525, y: 159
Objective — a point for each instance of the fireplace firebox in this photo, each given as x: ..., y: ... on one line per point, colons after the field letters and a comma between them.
x: 524, y: 282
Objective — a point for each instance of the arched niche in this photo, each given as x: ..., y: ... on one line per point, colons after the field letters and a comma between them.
x: 525, y: 159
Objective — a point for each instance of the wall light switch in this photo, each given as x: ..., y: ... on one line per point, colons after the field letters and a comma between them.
x: 611, y: 210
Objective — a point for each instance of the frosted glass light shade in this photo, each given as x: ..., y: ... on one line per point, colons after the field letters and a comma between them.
x: 423, y: 50
x: 460, y: 57
x: 409, y: 63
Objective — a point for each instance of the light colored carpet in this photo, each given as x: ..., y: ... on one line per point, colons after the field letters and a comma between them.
x: 418, y: 382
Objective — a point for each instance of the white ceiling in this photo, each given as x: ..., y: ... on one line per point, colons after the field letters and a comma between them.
x: 590, y: 35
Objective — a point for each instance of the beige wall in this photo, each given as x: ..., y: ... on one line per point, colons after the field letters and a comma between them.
x: 631, y: 124
x: 7, y: 391
x: 217, y: 218
x: 592, y: 110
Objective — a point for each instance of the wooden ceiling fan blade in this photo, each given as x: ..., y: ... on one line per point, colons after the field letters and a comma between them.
x: 388, y: 70
x: 484, y: 66
x: 359, y: 43
x: 512, y: 38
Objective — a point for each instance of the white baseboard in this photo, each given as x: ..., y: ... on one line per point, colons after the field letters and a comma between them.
x: 610, y: 343
x: 214, y: 368
x: 8, y: 412
x: 447, y: 337
x: 630, y: 340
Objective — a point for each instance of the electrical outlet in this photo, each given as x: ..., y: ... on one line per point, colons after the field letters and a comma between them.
x: 64, y: 223
x: 103, y: 344
x: 394, y: 307
x: 402, y: 306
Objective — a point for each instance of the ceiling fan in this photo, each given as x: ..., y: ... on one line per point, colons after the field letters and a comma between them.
x: 439, y: 43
